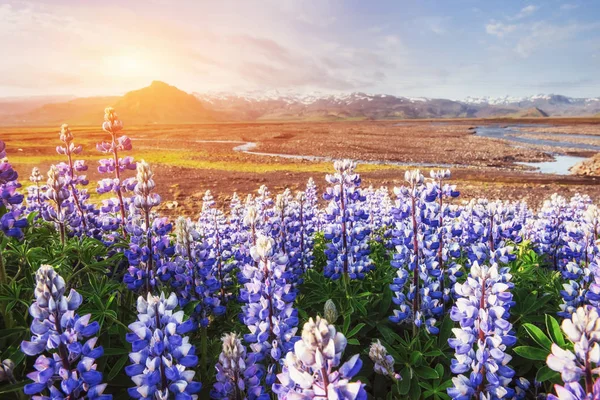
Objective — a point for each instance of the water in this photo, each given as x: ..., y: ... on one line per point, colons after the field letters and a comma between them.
x: 246, y: 147
x: 562, y: 163
x: 560, y: 166
x: 497, y: 132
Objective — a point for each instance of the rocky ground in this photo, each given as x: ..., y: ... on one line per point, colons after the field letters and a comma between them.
x: 186, y: 165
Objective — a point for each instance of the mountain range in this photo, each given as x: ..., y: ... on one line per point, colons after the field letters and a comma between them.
x: 161, y: 103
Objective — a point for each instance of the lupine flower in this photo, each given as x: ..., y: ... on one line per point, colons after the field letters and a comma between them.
x: 268, y: 311
x: 35, y: 192
x: 481, y: 342
x: 71, y: 171
x: 583, y: 330
x: 62, y: 210
x: 238, y: 374
x: 346, y: 227
x: 382, y: 361
x: 195, y: 276
x: 70, y: 371
x: 11, y: 223
x: 217, y: 234
x: 161, y: 355
x: 420, y: 282
x: 310, y: 371
x: 6, y: 371
x: 113, y: 125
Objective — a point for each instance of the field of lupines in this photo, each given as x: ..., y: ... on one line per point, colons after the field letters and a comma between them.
x: 349, y: 292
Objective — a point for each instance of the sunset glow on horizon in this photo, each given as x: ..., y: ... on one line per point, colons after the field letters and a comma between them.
x: 448, y: 49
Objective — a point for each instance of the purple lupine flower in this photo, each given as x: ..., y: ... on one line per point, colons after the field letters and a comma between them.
x: 485, y: 333
x: 35, y: 192
x: 11, y: 223
x: 418, y: 285
x: 71, y: 173
x: 70, y: 371
x: 161, y: 356
x: 583, y: 330
x: 6, y: 371
x: 61, y: 210
x: 346, y: 226
x: 306, y: 214
x: 116, y: 165
x: 311, y: 370
x: 145, y: 236
x: 268, y: 311
x: 238, y: 374
x: 195, y: 276
x: 383, y: 362
x: 217, y: 234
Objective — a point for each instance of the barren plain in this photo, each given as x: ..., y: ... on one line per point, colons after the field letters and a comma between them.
x: 228, y: 157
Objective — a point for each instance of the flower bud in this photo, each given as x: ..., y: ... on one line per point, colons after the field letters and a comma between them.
x: 330, y: 311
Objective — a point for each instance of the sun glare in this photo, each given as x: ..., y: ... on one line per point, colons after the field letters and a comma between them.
x: 125, y: 65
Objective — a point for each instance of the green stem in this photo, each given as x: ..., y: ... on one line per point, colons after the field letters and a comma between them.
x: 7, y: 315
x: 204, y: 350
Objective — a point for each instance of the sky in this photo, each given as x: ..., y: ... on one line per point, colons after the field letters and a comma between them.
x: 444, y: 49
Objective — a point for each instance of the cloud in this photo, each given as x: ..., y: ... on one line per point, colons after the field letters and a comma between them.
x: 525, y: 12
x: 543, y: 35
x: 499, y: 29
x: 434, y: 24
x: 568, y: 6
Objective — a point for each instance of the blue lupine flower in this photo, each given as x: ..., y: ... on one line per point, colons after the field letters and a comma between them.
x: 485, y: 333
x: 583, y: 330
x: 346, y: 226
x: 114, y: 164
x: 420, y: 235
x: 59, y: 331
x: 238, y: 374
x: 383, y: 363
x: 61, y: 210
x: 70, y: 171
x: 11, y: 223
x: 311, y: 370
x: 268, y: 311
x: 161, y: 356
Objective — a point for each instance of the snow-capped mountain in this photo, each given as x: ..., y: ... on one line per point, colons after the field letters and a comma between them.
x: 162, y: 103
x: 316, y: 105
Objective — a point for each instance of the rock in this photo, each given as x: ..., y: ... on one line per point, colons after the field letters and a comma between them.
x: 589, y: 167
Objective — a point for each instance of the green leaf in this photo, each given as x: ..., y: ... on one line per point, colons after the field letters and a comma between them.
x: 405, y: 382
x: 415, y: 389
x: 531, y: 353
x: 545, y: 374
x: 426, y: 372
x: 355, y: 330
x: 416, y: 358
x: 17, y: 387
x: 353, y: 342
x: 537, y: 335
x: 10, y: 331
x: 115, y: 352
x: 117, y: 368
x: 555, y: 331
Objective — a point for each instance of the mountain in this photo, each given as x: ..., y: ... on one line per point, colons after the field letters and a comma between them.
x: 332, y: 107
x: 161, y: 103
x: 158, y: 103
x: 22, y: 105
x: 316, y: 106
x: 83, y: 110
x: 552, y: 104
x: 533, y: 112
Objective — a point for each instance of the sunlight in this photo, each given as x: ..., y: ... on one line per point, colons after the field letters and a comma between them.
x: 124, y: 65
